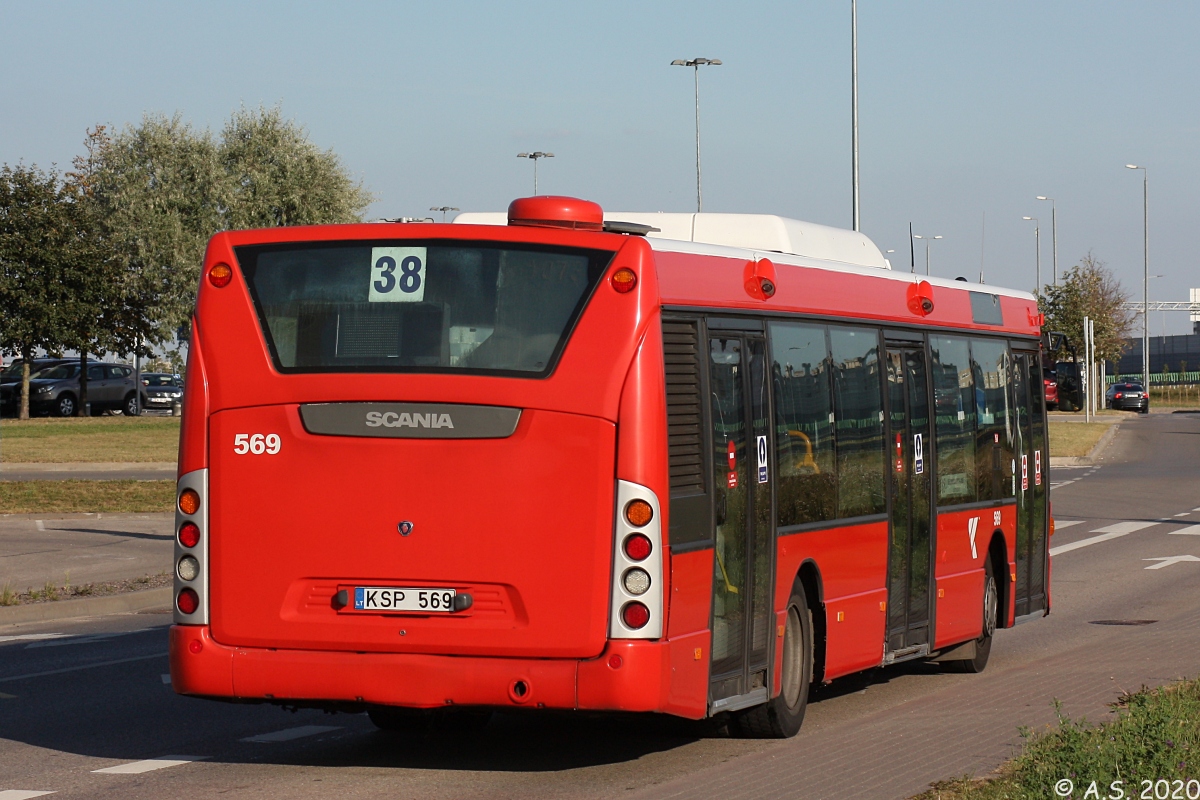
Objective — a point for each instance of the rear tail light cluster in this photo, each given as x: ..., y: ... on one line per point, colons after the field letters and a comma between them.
x: 637, y: 593
x: 191, y: 549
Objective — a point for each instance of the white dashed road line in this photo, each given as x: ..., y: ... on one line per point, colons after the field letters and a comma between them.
x: 1059, y: 524
x: 288, y: 734
x: 1184, y: 514
x: 1184, y: 532
x: 31, y: 637
x: 20, y: 794
x: 166, y: 677
x: 149, y: 765
x: 1113, y: 531
x: 41, y: 526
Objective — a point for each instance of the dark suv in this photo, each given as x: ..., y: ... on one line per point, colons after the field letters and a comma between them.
x: 12, y: 373
x: 55, y: 390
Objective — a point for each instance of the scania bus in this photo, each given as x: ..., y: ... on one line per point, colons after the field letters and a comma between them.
x: 563, y: 459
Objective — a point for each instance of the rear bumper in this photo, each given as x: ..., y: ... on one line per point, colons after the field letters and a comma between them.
x: 1136, y: 404
x: 667, y: 677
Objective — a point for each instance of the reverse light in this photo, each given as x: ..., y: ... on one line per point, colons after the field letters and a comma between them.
x: 220, y: 275
x: 189, y: 501
x: 638, y: 547
x: 639, y: 513
x: 189, y: 535
x: 623, y: 280
x: 635, y: 615
x: 188, y: 568
x: 637, y: 581
x: 189, y: 601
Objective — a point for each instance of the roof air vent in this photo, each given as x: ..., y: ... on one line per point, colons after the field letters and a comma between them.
x: 550, y: 211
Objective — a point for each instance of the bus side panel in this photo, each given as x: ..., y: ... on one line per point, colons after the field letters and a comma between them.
x: 688, y: 634
x: 959, y: 573
x: 852, y: 562
x: 193, y: 429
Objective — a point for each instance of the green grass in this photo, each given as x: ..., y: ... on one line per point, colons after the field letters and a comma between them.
x: 45, y: 497
x: 1075, y: 438
x: 92, y: 439
x: 1155, y: 736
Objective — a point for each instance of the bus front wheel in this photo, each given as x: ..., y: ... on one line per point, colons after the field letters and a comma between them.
x: 991, y: 614
x: 780, y: 717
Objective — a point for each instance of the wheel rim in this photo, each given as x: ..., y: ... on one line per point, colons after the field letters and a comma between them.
x: 990, y: 606
x: 792, y: 677
x: 66, y: 407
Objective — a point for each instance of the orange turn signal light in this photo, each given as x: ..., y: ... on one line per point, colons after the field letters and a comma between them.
x: 189, y: 501
x: 639, y: 513
x: 220, y: 275
x: 623, y: 280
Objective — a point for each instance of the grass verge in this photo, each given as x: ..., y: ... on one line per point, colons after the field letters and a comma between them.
x: 92, y: 439
x: 51, y: 591
x: 1155, y: 737
x: 1075, y: 438
x: 46, y: 497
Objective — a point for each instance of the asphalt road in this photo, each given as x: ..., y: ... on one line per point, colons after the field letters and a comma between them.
x: 85, y: 712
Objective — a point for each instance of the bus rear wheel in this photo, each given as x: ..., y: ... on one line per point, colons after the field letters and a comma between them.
x: 991, y: 613
x: 781, y: 717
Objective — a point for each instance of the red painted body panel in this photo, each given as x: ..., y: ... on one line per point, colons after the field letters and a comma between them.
x: 959, y: 576
x: 193, y: 427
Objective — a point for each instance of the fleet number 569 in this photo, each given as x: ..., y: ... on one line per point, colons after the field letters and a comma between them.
x: 256, y: 444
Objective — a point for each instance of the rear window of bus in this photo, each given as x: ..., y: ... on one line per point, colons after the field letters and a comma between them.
x: 411, y: 306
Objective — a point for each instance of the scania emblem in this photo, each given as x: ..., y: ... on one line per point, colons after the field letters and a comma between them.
x: 405, y: 528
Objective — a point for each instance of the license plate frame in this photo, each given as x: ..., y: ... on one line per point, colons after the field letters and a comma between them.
x: 402, y: 600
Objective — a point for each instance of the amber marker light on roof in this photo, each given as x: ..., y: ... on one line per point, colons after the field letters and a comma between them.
x: 220, y: 275
x: 189, y: 502
x: 623, y: 280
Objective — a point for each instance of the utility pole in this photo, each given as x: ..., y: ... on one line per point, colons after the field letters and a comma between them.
x: 444, y: 209
x: 534, y: 156
x: 696, y: 64
x: 854, y: 105
x: 1145, y: 275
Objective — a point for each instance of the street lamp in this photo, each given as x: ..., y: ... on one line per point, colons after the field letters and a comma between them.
x: 444, y: 209
x: 696, y: 64
x: 1037, y: 242
x: 534, y: 156
x: 1145, y: 274
x: 928, y: 240
x: 1053, y: 232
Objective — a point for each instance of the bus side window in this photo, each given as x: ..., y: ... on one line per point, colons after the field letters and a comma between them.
x: 800, y: 377
x: 954, y: 399
x: 858, y: 410
x: 991, y: 365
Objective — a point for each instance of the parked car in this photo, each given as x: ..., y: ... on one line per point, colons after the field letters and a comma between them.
x: 12, y: 373
x: 1051, y: 382
x: 55, y: 390
x: 160, y: 390
x: 1127, y: 396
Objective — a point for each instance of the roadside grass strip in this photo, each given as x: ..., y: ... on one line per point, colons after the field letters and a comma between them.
x: 1153, y: 741
x: 118, y: 496
x: 1075, y: 439
x: 149, y: 765
x: 103, y: 439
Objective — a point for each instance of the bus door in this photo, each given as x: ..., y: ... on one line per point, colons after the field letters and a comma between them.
x: 910, y: 464
x: 1031, y: 476
x: 742, y: 479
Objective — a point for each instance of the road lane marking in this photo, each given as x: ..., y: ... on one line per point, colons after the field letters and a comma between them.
x: 1168, y: 561
x: 65, y: 670
x: 1108, y: 532
x: 1184, y: 514
x: 41, y: 526
x: 30, y: 637
x: 66, y: 640
x: 1059, y: 524
x: 1184, y: 532
x: 20, y: 794
x: 149, y: 765
x: 288, y: 734
x: 166, y: 677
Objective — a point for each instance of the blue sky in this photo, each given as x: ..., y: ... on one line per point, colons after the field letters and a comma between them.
x: 965, y: 108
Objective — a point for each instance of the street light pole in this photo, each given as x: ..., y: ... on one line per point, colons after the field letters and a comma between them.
x: 928, y: 241
x: 1037, y: 242
x: 1145, y: 275
x: 1053, y: 232
x: 534, y: 156
x: 854, y: 103
x: 696, y: 64
x: 444, y: 209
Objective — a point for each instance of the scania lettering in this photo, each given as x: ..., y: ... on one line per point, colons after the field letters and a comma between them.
x: 688, y: 464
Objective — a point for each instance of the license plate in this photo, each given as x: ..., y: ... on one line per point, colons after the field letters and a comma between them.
x: 398, y: 598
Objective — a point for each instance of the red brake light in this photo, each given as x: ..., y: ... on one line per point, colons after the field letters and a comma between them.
x: 189, y: 601
x: 623, y: 280
x: 220, y: 275
x: 635, y: 615
x: 638, y: 547
x: 189, y: 535
x: 1118, y: 396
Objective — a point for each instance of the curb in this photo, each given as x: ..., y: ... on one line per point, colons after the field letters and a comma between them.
x: 88, y: 606
x: 1091, y: 457
x: 88, y: 466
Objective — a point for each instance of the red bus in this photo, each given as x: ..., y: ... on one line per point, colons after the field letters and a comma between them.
x: 577, y: 462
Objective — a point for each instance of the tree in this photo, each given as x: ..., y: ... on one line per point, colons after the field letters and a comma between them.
x: 37, y: 244
x: 1089, y: 289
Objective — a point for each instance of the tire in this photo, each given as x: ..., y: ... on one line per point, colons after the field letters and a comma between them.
x: 66, y: 405
x: 129, y: 407
x: 991, y: 613
x: 781, y: 717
